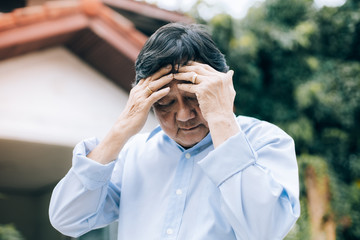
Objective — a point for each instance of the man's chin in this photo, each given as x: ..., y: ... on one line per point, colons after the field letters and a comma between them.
x: 189, y: 137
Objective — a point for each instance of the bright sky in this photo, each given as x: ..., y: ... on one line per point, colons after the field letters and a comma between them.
x: 236, y: 8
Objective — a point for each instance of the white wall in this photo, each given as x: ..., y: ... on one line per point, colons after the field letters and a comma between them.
x: 51, y: 96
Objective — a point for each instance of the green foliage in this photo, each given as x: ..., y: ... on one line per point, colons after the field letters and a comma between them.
x: 354, y: 195
x: 339, y: 33
x: 299, y: 67
x: 295, y: 11
x: 8, y: 232
x: 223, y: 33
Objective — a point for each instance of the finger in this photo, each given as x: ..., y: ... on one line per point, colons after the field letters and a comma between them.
x: 194, y: 69
x: 204, y: 65
x: 161, y: 72
x: 191, y: 88
x: 140, y: 82
x: 161, y: 82
x: 156, y: 96
x: 199, y: 68
x: 189, y: 76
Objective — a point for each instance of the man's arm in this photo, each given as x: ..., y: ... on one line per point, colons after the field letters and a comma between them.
x: 254, y: 168
x: 134, y: 116
x: 86, y: 198
x: 257, y: 175
x: 79, y: 199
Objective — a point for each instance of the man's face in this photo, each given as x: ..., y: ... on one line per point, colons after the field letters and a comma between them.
x: 180, y: 117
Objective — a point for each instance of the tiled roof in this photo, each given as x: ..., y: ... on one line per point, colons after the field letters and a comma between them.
x: 54, y: 10
x: 96, y: 33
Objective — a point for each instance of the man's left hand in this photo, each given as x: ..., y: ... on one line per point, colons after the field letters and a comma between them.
x: 214, y: 90
x: 215, y: 94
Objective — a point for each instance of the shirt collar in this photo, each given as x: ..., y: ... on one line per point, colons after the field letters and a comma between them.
x: 154, y: 132
x: 200, y: 146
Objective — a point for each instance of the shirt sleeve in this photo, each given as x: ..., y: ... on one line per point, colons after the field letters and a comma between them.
x: 257, y: 174
x: 85, y: 198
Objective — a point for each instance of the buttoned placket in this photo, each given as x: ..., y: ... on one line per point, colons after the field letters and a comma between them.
x: 177, y: 201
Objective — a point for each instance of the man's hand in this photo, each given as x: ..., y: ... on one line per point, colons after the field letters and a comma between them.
x: 214, y: 90
x: 215, y: 93
x: 141, y: 98
x: 134, y: 116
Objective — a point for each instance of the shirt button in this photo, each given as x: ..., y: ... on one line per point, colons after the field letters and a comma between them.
x: 169, y: 231
x: 188, y: 155
x: 178, y: 192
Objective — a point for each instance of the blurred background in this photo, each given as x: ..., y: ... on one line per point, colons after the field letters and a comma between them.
x: 66, y: 68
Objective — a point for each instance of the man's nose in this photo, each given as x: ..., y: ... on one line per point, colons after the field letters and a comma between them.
x: 184, y: 112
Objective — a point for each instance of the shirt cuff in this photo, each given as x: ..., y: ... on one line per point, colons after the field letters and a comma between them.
x: 231, y: 157
x: 92, y: 174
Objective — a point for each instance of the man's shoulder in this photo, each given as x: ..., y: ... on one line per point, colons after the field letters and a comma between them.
x: 248, y: 123
x: 259, y: 128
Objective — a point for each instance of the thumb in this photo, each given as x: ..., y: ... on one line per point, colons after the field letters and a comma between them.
x: 158, y: 95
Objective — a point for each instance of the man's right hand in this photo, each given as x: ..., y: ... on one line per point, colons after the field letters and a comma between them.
x: 133, y: 117
x: 141, y: 98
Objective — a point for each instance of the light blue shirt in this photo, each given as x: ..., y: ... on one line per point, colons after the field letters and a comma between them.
x: 247, y: 188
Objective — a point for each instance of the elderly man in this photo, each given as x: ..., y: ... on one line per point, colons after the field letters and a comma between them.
x: 201, y: 174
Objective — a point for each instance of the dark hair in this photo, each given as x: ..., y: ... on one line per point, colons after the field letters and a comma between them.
x: 177, y: 44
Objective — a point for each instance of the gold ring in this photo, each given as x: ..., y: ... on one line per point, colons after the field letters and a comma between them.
x: 149, y: 90
x: 193, y: 79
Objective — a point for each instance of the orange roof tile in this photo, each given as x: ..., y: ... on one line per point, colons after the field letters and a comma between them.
x: 50, y: 11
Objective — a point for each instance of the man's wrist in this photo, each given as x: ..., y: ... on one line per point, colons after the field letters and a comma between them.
x: 222, y: 118
x: 110, y: 147
x: 223, y: 127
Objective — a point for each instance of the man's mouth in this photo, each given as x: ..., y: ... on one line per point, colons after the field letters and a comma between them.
x: 189, y: 128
